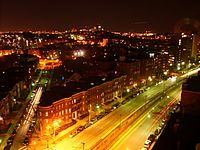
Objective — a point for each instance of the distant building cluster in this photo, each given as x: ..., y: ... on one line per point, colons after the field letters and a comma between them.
x: 116, y: 61
x: 15, y: 72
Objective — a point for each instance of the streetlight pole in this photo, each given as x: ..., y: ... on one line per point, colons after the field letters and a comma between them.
x: 163, y: 88
x: 83, y: 145
x: 120, y: 119
x: 47, y: 143
x: 54, y: 132
x: 89, y: 112
x: 34, y: 143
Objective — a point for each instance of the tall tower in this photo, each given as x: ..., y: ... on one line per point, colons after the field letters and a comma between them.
x: 196, y: 47
x: 188, y: 30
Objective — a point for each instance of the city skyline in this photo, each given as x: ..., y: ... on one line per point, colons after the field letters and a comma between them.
x: 128, y: 16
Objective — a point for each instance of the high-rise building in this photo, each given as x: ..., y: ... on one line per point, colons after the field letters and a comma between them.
x: 183, y: 55
x: 196, y: 47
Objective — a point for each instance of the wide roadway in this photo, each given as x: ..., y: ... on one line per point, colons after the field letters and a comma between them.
x: 94, y: 133
x: 134, y: 137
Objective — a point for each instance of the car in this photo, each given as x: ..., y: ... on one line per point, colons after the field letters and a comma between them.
x: 72, y: 134
x: 87, y: 125
x: 26, y: 141
x: 17, y: 126
x: 81, y: 128
x: 93, y: 120
x: 7, y: 147
x: 10, y: 140
x: 31, y: 128
x: 147, y: 144
x: 157, y: 132
x: 34, y: 122
x: 124, y: 102
x: 100, y: 116
x: 32, y: 95
x: 14, y: 132
x: 162, y: 124
x: 107, y: 111
x: 29, y: 133
x: 152, y: 137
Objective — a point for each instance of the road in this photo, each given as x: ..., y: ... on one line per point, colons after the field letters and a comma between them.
x: 134, y: 137
x: 26, y: 121
x: 100, y: 129
x: 88, y: 137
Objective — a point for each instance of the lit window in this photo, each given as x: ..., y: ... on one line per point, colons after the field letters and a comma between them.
x: 46, y: 114
x: 66, y: 111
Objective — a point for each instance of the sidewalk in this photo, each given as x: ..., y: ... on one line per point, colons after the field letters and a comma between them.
x: 48, y: 142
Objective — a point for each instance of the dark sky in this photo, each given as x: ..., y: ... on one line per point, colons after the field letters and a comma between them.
x: 115, y: 15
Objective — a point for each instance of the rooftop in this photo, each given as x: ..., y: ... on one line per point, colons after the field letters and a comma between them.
x: 58, y: 92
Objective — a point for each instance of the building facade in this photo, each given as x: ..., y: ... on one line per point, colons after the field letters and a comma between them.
x: 65, y: 110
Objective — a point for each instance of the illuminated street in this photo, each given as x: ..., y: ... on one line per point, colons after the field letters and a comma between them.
x: 94, y: 133
x: 135, y: 136
x: 26, y: 121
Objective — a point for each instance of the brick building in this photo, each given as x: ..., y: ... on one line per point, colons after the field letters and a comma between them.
x: 74, y: 101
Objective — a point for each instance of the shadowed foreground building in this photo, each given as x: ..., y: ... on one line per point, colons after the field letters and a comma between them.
x: 182, y: 131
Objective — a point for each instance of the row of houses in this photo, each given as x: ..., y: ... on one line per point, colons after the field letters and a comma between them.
x: 75, y: 105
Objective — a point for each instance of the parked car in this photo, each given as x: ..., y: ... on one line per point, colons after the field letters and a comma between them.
x: 10, y: 140
x: 81, y: 128
x: 147, y: 144
x: 72, y: 134
x: 152, y: 137
x: 157, y: 132
x: 14, y: 132
x: 93, y: 120
x: 26, y: 141
x: 101, y: 115
x: 29, y: 133
x: 87, y: 125
x: 17, y: 125
x: 7, y: 147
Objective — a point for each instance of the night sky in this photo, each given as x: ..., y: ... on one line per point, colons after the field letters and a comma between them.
x: 114, y: 15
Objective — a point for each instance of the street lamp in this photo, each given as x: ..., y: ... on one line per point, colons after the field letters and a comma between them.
x: 0, y: 141
x: 34, y: 143
x: 48, y: 127
x: 55, y: 124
